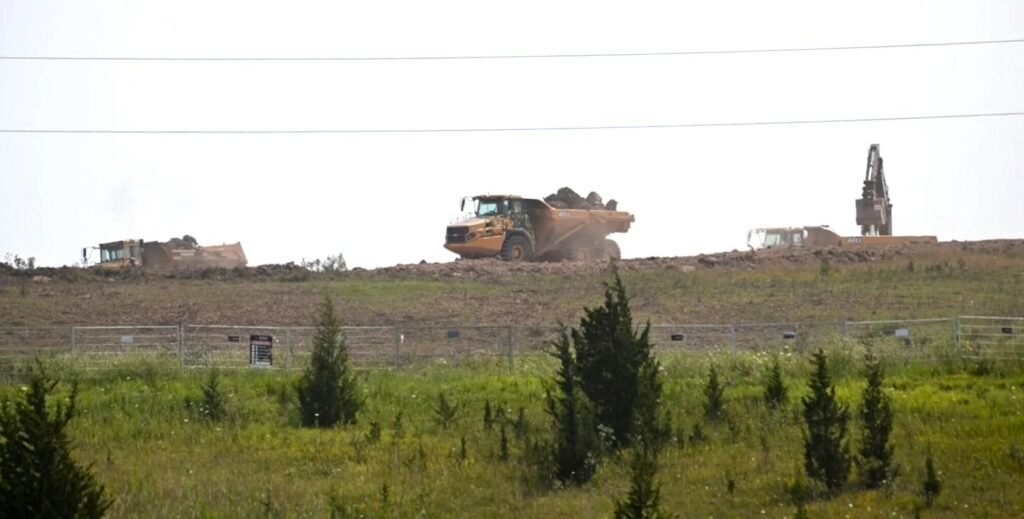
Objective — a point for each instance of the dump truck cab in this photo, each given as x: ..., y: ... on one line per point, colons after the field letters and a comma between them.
x: 483, y: 234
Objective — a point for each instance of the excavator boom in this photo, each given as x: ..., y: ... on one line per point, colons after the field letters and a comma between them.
x: 874, y: 210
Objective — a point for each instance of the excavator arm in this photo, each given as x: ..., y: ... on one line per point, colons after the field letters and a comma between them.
x: 874, y: 211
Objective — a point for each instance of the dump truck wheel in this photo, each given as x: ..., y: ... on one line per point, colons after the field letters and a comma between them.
x: 611, y: 250
x: 517, y: 248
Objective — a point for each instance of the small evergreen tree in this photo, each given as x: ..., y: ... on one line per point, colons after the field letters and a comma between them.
x: 445, y: 411
x: 327, y: 390
x: 876, y: 461
x: 932, y: 485
x: 488, y: 416
x: 714, y: 396
x: 212, y: 404
x: 826, y: 451
x: 775, y: 393
x: 38, y: 478
x: 644, y: 498
x: 613, y: 358
x: 574, y: 452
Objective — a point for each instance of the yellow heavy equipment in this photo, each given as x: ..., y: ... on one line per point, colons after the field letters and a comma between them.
x: 874, y: 216
x: 175, y: 254
x: 527, y: 229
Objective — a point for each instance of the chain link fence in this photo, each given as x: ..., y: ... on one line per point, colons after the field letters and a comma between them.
x: 511, y: 348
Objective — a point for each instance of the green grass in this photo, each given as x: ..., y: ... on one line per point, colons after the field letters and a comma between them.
x: 990, y: 283
x: 157, y: 459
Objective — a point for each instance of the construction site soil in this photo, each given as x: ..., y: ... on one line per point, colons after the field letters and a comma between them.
x: 737, y: 286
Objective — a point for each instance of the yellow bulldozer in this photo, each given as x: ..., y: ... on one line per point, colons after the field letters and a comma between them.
x: 514, y: 228
x: 173, y: 255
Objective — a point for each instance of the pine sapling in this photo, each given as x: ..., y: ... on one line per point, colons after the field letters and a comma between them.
x: 714, y: 396
x: 327, y: 390
x: 644, y: 498
x: 775, y: 393
x: 876, y: 451
x: 932, y: 485
x: 826, y: 450
x: 445, y: 411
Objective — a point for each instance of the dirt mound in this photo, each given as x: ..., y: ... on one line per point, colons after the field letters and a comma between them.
x: 566, y: 198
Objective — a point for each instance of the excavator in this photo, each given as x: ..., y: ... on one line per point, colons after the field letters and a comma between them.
x: 874, y: 216
x: 874, y: 210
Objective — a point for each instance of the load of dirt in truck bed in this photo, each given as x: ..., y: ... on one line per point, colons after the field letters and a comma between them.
x: 566, y: 198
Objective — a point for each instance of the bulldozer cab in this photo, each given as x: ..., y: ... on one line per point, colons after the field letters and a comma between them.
x: 121, y: 253
x: 775, y: 237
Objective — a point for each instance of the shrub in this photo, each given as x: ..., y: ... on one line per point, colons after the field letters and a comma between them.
x: 644, y: 498
x: 617, y: 369
x: 38, y: 478
x: 932, y: 485
x: 445, y: 411
x: 327, y: 390
x: 212, y: 403
x: 826, y: 451
x: 714, y: 396
x: 775, y: 393
x: 876, y: 461
x: 574, y: 452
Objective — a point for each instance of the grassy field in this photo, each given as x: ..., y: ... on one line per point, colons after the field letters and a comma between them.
x: 158, y: 459
x: 938, y: 281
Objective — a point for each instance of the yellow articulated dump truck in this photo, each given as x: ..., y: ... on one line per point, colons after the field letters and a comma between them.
x: 175, y: 254
x: 526, y: 229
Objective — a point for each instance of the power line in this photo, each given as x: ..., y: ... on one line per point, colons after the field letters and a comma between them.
x: 517, y: 56
x: 528, y: 129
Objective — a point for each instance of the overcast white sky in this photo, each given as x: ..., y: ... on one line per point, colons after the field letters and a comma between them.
x: 383, y: 199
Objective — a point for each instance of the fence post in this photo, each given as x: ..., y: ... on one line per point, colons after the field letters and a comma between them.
x: 72, y: 339
x: 846, y: 329
x: 181, y: 345
x: 511, y: 354
x: 956, y: 337
x: 291, y: 349
x: 397, y: 332
x: 733, y: 330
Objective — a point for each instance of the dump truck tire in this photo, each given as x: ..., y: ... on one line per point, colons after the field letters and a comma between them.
x: 609, y: 250
x: 517, y: 248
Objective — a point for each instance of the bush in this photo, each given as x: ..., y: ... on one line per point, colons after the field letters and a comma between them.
x: 644, y: 498
x: 575, y: 448
x: 38, y: 478
x: 932, y: 485
x: 876, y: 461
x: 826, y: 450
x: 445, y: 411
x: 617, y: 369
x: 327, y: 390
x: 775, y: 394
x: 714, y: 396
x: 212, y: 404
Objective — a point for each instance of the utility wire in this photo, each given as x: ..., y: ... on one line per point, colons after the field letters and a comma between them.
x: 516, y: 56
x: 532, y: 129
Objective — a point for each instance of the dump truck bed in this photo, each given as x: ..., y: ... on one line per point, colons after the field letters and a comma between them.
x: 553, y: 227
